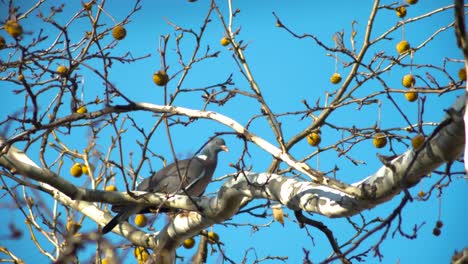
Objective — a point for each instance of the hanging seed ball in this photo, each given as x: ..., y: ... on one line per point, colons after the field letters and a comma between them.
x: 408, y: 81
x: 119, y: 32
x: 411, y: 96
x: 335, y: 78
x: 85, y: 169
x: 160, y: 78
x: 62, y: 70
x: 76, y: 170
x: 436, y: 231
x: 439, y: 224
x: 111, y: 188
x: 82, y: 110
x: 141, y: 254
x: 213, y: 237
x: 314, y: 139
x: 13, y: 28
x: 189, y: 243
x: 380, y: 140
x: 225, y: 41
x: 141, y: 220
x: 402, y: 47
x: 417, y: 141
x: 401, y: 11
x: 462, y: 74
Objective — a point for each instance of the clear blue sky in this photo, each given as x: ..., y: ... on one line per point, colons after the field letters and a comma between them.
x: 287, y: 70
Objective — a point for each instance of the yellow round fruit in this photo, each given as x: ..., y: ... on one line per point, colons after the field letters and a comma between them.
x: 21, y: 77
x: 141, y: 220
x: 314, y: 139
x: 76, y: 170
x: 104, y: 261
x: 408, y: 81
x: 411, y: 96
x: 402, y: 46
x: 160, y: 78
x: 119, y: 32
x: 111, y: 188
x: 412, y: 2
x: 13, y: 28
x: 401, y: 11
x: 189, y: 243
x: 462, y: 74
x: 213, y: 237
x: 141, y: 254
x: 85, y: 169
x: 62, y: 70
x: 380, y: 140
x: 335, y: 78
x: 421, y: 194
x: 2, y: 43
x: 417, y: 141
x: 73, y: 227
x: 82, y: 110
x: 225, y: 41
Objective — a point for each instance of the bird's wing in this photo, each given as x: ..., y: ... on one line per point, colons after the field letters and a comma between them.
x: 186, y: 174
x: 199, y: 176
x: 195, y: 183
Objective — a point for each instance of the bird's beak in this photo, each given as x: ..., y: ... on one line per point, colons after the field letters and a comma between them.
x: 224, y: 148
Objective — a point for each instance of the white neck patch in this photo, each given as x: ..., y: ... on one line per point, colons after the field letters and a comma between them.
x: 202, y: 157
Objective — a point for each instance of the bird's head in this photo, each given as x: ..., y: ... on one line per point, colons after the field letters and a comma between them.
x: 213, y: 147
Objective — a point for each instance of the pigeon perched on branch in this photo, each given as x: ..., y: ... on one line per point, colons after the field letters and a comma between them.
x: 190, y: 177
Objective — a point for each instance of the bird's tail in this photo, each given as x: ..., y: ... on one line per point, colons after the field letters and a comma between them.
x: 112, y: 223
x: 121, y: 216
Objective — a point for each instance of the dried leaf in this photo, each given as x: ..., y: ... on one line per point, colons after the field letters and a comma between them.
x: 278, y: 213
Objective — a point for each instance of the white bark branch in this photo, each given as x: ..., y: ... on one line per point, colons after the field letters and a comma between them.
x: 444, y: 146
x: 276, y: 152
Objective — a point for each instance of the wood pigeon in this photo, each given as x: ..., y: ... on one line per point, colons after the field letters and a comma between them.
x: 190, y: 177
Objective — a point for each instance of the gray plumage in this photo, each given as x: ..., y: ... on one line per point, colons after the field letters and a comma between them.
x: 190, y: 176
